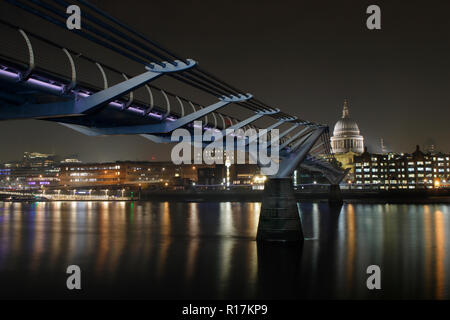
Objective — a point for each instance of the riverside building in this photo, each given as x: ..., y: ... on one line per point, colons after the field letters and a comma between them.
x: 418, y: 170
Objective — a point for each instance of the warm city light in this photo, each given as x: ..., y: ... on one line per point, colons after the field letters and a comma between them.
x: 259, y: 179
x: 437, y: 183
x: 224, y: 155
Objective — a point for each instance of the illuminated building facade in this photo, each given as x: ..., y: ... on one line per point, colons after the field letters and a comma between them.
x: 402, y: 171
x: 237, y: 175
x: 118, y: 173
x: 38, y: 171
x: 36, y: 159
x: 19, y: 177
x: 34, y: 171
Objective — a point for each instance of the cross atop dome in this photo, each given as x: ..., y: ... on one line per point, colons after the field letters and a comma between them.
x: 345, y: 112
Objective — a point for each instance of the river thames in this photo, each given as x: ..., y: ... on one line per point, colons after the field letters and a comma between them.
x: 178, y: 250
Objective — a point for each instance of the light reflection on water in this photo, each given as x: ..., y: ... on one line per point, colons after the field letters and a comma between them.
x: 208, y: 250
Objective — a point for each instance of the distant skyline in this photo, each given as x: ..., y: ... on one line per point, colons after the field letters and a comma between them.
x: 304, y: 57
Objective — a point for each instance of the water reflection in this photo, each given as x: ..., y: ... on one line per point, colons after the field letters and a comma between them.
x: 208, y: 250
x: 408, y: 242
x: 440, y: 254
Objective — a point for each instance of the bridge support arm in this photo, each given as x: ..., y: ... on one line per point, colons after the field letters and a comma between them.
x: 288, y: 165
x: 166, y: 126
x: 300, y: 142
x: 294, y: 137
x: 207, y: 110
x: 332, y: 174
x: 247, y: 121
x: 83, y: 105
x: 267, y: 130
x: 99, y: 99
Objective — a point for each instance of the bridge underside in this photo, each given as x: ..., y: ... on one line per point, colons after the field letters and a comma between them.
x: 42, y: 80
x: 16, y: 93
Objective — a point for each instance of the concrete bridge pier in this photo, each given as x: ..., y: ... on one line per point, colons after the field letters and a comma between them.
x: 335, y: 195
x: 279, y: 220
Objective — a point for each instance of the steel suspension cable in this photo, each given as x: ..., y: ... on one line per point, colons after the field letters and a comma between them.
x: 197, y: 77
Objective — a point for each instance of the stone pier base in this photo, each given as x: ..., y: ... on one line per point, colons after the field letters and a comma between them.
x: 279, y: 219
x: 335, y: 196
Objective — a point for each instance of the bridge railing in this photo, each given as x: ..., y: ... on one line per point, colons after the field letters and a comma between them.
x: 74, y: 74
x: 28, y: 54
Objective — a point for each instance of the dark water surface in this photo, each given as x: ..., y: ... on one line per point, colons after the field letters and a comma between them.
x: 208, y: 251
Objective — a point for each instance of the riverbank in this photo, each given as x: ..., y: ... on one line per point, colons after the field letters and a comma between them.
x: 349, y: 196
x: 398, y: 197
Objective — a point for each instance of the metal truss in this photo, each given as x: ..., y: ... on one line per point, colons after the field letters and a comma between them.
x: 87, y: 107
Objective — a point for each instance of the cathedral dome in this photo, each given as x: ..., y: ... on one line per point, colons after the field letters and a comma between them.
x: 346, y: 134
x: 346, y: 126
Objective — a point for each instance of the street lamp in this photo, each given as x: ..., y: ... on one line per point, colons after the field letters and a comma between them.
x: 228, y: 165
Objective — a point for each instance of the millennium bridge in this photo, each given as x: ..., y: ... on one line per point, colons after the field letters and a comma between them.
x: 102, y: 82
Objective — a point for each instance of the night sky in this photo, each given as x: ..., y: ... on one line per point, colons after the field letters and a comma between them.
x: 304, y: 57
